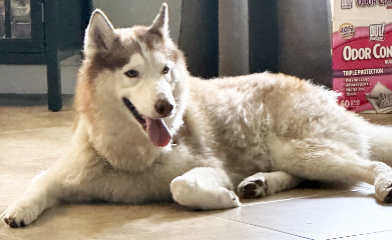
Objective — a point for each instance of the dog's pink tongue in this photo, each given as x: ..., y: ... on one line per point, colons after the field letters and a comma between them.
x: 158, y: 132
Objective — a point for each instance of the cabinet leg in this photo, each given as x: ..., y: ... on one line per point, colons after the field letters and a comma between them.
x: 53, y: 68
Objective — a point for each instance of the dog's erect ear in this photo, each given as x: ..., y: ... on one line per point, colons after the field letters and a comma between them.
x: 161, y: 22
x: 100, y: 32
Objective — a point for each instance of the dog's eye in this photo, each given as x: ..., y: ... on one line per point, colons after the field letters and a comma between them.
x: 132, y: 73
x: 165, y: 70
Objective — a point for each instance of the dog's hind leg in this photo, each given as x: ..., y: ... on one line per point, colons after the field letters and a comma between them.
x: 321, y: 159
x: 380, y: 143
x: 204, y: 188
x: 266, y: 183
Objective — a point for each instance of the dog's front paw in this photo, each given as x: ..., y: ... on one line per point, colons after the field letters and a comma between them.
x: 252, y: 187
x: 19, y: 215
x: 383, y: 187
x: 188, y: 192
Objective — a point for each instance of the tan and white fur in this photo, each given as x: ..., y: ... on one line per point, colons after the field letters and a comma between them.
x: 202, y: 143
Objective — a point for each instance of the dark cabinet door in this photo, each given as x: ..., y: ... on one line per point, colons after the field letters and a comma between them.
x: 21, y: 26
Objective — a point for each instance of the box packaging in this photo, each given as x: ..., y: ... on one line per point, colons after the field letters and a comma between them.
x: 362, y: 54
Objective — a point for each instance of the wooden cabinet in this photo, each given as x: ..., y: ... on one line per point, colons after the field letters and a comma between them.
x: 43, y: 32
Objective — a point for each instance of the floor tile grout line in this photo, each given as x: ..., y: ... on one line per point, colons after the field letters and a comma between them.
x: 36, y: 129
x: 340, y: 192
x: 271, y: 229
x: 357, y: 185
x: 361, y: 234
x: 2, y: 234
x: 55, y: 159
x: 288, y: 199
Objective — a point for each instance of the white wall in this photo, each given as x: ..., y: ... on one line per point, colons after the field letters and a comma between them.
x: 31, y: 79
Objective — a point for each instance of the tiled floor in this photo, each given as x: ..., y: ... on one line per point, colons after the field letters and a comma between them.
x: 31, y: 138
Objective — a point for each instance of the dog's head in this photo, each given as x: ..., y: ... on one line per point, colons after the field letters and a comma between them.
x: 140, y: 67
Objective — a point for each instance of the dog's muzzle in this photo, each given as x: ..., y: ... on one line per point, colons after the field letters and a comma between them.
x: 156, y: 128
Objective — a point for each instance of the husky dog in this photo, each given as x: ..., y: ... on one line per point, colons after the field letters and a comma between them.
x: 148, y: 131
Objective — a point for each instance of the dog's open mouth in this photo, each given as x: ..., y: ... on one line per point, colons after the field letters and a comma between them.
x: 156, y: 128
x: 135, y: 113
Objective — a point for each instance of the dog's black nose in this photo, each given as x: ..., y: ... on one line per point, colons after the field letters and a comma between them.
x: 163, y: 107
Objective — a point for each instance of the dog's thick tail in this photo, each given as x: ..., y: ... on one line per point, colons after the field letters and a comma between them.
x: 380, y: 143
